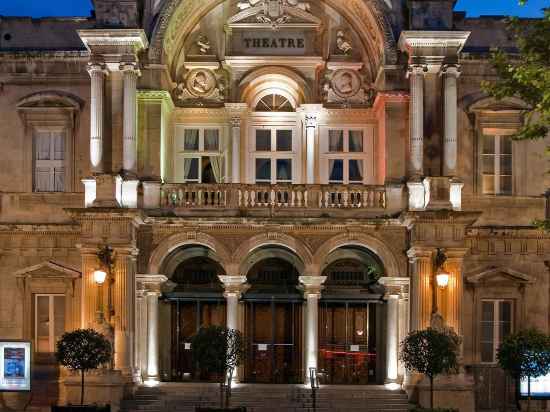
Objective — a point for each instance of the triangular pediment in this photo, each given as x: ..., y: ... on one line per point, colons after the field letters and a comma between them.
x: 49, y: 269
x: 498, y: 275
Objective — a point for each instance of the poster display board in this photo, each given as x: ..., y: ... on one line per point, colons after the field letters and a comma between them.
x: 540, y: 388
x: 15, y: 366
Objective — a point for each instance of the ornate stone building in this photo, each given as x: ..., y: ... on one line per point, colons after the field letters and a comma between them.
x: 287, y: 168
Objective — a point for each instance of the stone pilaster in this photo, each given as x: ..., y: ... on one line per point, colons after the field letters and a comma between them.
x: 311, y: 130
x: 453, y: 295
x: 416, y: 119
x: 234, y: 287
x: 129, y: 145
x: 236, y: 150
x: 450, y: 144
x: 97, y: 74
x: 421, y: 261
x: 312, y: 293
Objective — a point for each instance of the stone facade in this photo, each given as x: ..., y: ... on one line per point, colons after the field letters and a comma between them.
x: 145, y: 130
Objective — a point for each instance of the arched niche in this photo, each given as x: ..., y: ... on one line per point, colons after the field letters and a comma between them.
x: 367, y: 18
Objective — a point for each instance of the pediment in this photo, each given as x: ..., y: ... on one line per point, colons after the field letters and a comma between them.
x: 499, y: 275
x: 49, y: 269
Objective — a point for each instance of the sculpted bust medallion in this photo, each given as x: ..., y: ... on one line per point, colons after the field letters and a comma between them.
x: 346, y: 83
x: 201, y: 82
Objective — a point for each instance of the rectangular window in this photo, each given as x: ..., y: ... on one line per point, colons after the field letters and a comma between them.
x: 355, y: 171
x: 273, y: 155
x: 336, y: 170
x: 284, y: 170
x: 263, y: 170
x: 346, y: 153
x: 496, y: 324
x: 356, y: 141
x: 49, y: 321
x: 496, y: 165
x: 336, y: 141
x: 284, y: 140
x: 263, y: 140
x: 199, y: 156
x: 49, y: 161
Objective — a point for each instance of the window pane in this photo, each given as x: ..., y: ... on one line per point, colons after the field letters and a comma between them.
x: 356, y: 141
x: 59, y: 179
x: 42, y: 146
x: 505, y: 311
x: 336, y: 140
x: 489, y: 144
x: 487, y: 311
x: 488, y: 184
x: 43, y: 181
x: 506, y: 185
x: 284, y: 140
x: 263, y: 170
x: 43, y: 323
x: 263, y: 140
x: 506, y: 165
x: 488, y: 164
x: 59, y: 316
x: 356, y: 170
x: 191, y: 139
x: 59, y: 145
x: 191, y: 169
x: 336, y: 170
x: 505, y: 145
x: 211, y: 140
x: 487, y: 352
x: 284, y: 169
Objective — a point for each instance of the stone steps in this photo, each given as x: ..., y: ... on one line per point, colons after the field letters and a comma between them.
x: 267, y: 398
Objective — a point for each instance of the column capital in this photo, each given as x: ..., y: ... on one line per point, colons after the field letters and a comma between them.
x: 451, y: 70
x: 96, y: 67
x: 417, y: 69
x: 235, y: 121
x: 421, y: 252
x: 395, y: 286
x: 150, y: 284
x: 313, y: 285
x: 234, y: 285
x: 130, y: 68
x: 311, y: 120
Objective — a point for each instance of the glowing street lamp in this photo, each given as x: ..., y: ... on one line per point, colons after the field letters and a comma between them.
x: 442, y: 280
x: 100, y: 276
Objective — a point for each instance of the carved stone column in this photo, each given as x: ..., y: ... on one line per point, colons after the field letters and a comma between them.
x: 450, y: 146
x: 397, y: 320
x: 416, y: 119
x: 129, y: 146
x: 97, y: 74
x: 451, y: 297
x: 151, y: 285
x: 312, y: 292
x: 140, y: 332
x: 421, y: 261
x: 236, y: 150
x: 311, y: 128
x: 234, y: 286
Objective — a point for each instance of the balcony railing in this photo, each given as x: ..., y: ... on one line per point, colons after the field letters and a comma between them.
x: 242, y: 196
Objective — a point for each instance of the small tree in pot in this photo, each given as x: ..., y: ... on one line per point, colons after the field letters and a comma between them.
x: 525, y: 355
x: 218, y: 350
x: 83, y: 350
x: 431, y: 352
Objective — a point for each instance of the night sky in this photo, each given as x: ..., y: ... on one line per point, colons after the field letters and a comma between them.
x: 40, y: 8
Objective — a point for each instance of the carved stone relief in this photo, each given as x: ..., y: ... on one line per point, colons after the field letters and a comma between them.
x: 347, y: 87
x: 202, y: 86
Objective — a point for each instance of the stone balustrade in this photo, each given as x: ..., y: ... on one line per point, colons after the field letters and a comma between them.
x: 243, y: 196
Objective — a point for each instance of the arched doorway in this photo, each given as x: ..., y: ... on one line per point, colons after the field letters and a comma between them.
x: 194, y: 299
x: 350, y: 313
x: 273, y: 319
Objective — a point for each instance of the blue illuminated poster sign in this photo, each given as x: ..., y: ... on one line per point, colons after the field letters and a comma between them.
x: 540, y: 388
x: 15, y: 366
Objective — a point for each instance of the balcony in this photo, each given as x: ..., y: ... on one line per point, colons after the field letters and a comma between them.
x: 239, y: 199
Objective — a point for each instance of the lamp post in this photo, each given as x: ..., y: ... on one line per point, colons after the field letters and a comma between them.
x: 440, y: 279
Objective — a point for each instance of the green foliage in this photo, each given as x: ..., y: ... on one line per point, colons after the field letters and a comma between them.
x: 526, y: 75
x: 525, y: 354
x: 83, y: 349
x: 218, y: 350
x: 430, y: 352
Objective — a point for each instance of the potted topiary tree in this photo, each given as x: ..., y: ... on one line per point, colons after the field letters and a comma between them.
x: 82, y: 350
x: 525, y: 355
x: 218, y: 350
x: 431, y: 352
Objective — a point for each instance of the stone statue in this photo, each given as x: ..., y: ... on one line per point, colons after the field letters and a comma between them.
x: 343, y: 43
x: 204, y: 44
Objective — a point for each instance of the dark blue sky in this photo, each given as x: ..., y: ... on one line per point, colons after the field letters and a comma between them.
x: 40, y: 8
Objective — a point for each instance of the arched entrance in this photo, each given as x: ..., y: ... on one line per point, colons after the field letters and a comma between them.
x: 350, y: 313
x: 194, y: 299
x: 273, y: 318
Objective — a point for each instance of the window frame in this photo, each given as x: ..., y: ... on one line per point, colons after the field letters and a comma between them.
x: 496, y: 323
x: 51, y: 315
x: 273, y: 155
x: 180, y: 153
x: 497, y: 156
x: 49, y: 129
x: 366, y: 156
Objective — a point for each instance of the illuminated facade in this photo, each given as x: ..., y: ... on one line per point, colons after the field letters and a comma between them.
x: 287, y: 168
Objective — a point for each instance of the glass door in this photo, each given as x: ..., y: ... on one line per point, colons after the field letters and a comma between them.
x: 347, y: 343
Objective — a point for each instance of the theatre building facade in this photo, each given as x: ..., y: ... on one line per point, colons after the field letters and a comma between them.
x: 298, y: 170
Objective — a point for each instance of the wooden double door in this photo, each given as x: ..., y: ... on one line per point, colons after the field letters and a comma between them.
x: 187, y: 318
x: 347, y: 343
x: 274, y: 342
